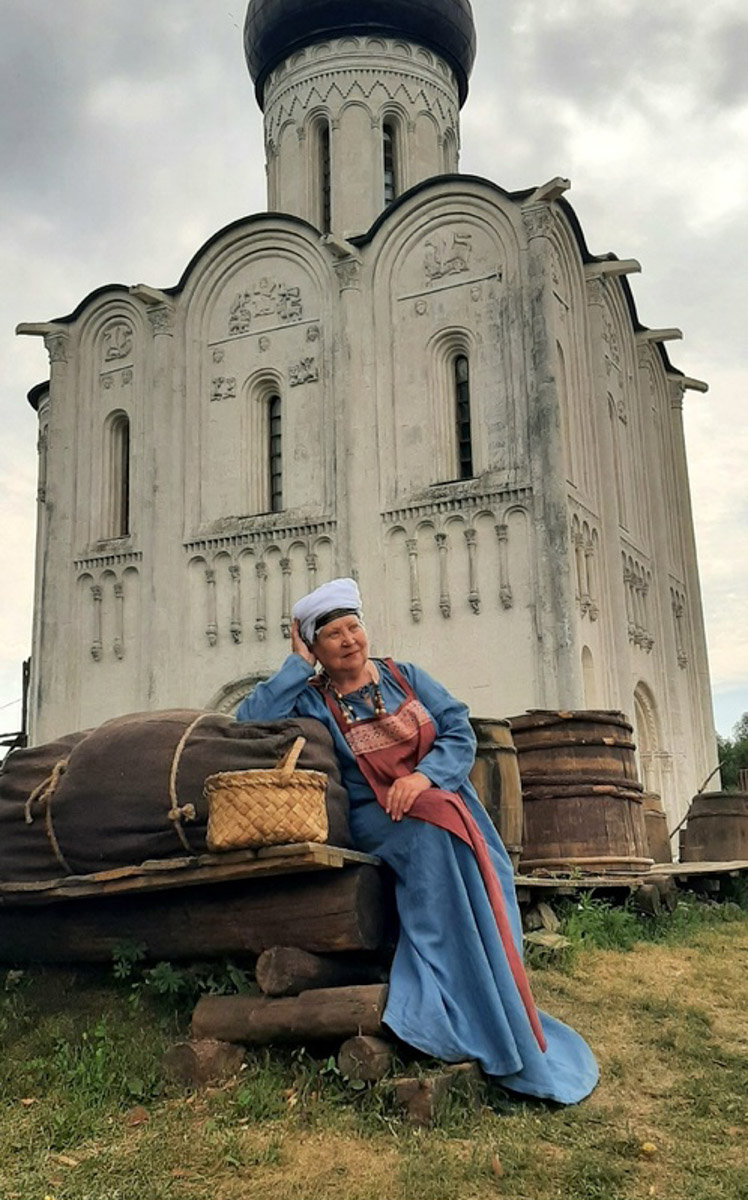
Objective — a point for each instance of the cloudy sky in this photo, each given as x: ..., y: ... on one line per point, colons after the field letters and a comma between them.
x: 129, y: 134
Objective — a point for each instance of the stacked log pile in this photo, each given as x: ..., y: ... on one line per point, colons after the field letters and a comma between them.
x: 308, y: 998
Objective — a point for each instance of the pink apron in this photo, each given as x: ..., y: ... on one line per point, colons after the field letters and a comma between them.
x: 389, y: 746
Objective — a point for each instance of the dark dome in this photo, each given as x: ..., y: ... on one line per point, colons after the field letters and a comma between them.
x: 276, y: 28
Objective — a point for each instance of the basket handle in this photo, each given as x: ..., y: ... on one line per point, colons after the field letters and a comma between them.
x: 288, y: 762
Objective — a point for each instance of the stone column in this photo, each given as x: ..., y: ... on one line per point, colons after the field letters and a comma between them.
x: 704, y: 750
x: 615, y: 607
x: 560, y: 670
x: 162, y: 675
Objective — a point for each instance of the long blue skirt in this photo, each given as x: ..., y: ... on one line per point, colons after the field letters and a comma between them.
x: 451, y: 993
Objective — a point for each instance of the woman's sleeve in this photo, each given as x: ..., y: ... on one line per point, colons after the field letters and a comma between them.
x: 277, y: 696
x: 450, y: 759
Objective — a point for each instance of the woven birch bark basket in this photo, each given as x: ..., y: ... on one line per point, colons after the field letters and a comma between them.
x: 270, y: 807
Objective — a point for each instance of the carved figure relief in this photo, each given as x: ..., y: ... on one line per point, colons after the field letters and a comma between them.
x: 305, y: 371
x: 117, y: 341
x: 447, y: 257
x: 267, y: 298
x: 223, y: 388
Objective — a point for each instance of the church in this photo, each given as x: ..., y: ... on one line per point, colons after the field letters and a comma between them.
x: 397, y: 372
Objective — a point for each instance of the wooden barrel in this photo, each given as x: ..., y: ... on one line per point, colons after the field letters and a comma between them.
x: 656, y: 826
x: 495, y: 777
x: 717, y: 828
x: 582, y: 797
x: 582, y: 747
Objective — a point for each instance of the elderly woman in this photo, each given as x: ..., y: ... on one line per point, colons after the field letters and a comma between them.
x: 458, y: 989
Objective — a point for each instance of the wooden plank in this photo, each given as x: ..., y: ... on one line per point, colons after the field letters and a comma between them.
x: 318, y: 1015
x: 156, y: 874
x: 325, y: 912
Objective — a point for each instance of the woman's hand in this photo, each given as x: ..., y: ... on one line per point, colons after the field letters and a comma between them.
x: 299, y: 646
x: 403, y: 794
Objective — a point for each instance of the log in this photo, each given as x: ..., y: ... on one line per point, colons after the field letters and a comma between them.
x: 314, y: 1015
x: 325, y: 912
x: 365, y: 1058
x: 195, y: 1064
x: 287, y: 970
x: 422, y: 1099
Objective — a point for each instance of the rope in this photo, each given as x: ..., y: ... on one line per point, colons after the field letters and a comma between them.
x: 44, y: 793
x: 187, y: 811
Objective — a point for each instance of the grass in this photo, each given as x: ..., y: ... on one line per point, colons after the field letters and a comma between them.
x: 86, y: 1115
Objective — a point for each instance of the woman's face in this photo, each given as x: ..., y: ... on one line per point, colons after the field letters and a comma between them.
x: 342, y: 646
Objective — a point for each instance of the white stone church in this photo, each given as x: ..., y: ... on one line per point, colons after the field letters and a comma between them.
x: 398, y: 372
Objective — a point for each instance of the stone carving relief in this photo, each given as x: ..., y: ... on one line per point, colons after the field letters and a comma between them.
x: 117, y: 341
x: 264, y: 344
x: 120, y: 377
x: 57, y: 347
x: 268, y: 298
x: 447, y: 254
x: 218, y: 356
x: 305, y: 371
x: 610, y: 338
x: 161, y: 318
x: 348, y: 271
x: 333, y: 88
x: 223, y: 388
x: 537, y: 220
x: 313, y: 333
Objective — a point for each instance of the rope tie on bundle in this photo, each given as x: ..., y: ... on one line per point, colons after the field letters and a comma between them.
x: 184, y: 812
x: 43, y: 795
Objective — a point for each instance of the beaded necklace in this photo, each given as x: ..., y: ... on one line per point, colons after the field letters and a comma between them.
x: 349, y: 715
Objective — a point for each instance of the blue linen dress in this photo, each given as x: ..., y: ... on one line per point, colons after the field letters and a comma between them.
x: 451, y: 991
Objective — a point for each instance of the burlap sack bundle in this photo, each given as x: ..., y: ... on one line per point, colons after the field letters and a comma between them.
x: 132, y: 790
x: 26, y: 852
x: 249, y: 809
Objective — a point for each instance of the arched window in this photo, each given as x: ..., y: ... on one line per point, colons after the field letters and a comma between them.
x: 275, y: 454
x: 461, y: 370
x: 389, y: 155
x: 325, y: 194
x: 116, y: 505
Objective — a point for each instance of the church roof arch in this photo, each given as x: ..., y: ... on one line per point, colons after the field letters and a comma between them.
x: 267, y: 234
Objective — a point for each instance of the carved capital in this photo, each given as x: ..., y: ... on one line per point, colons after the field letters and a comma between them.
x: 537, y: 220
x: 161, y: 319
x: 348, y: 271
x: 57, y: 347
x: 595, y: 290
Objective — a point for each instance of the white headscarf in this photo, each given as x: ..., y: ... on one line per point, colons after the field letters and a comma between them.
x: 337, y: 594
